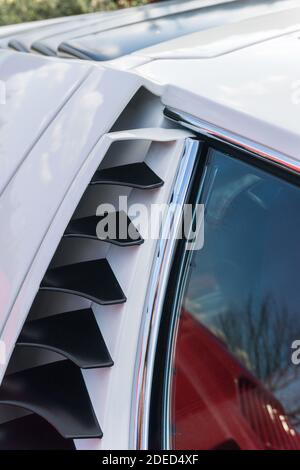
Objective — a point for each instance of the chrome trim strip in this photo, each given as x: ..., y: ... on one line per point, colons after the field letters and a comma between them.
x: 217, y: 133
x: 142, y: 386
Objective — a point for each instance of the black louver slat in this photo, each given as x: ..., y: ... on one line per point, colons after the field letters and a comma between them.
x: 86, y: 228
x: 57, y: 393
x: 134, y: 175
x: 94, y: 280
x: 75, y: 335
x: 32, y: 433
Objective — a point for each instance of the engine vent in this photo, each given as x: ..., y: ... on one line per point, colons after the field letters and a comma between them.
x: 106, y: 36
x: 85, y: 227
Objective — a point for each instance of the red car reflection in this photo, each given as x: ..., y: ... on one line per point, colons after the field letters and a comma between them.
x: 217, y: 403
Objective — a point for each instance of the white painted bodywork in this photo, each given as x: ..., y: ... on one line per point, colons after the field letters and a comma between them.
x: 54, y: 132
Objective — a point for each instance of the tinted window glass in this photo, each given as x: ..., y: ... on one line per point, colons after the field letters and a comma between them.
x: 234, y: 382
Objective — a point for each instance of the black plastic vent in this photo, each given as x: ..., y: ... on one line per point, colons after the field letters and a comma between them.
x: 94, y: 280
x: 86, y: 228
x: 57, y: 393
x: 134, y: 175
x: 74, y: 335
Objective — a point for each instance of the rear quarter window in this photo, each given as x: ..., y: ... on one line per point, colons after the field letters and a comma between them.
x: 234, y: 384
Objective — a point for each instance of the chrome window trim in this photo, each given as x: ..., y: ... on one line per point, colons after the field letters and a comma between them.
x: 234, y: 140
x: 142, y: 386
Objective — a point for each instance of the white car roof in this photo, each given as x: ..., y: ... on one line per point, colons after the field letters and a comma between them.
x: 243, y: 78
